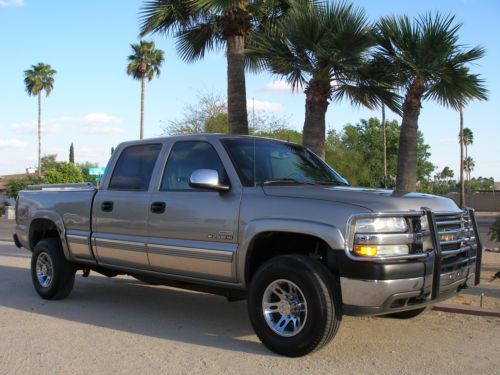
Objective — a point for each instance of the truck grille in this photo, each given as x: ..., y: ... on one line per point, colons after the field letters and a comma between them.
x: 455, y: 233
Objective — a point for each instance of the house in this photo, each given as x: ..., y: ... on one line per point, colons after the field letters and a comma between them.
x: 3, y: 185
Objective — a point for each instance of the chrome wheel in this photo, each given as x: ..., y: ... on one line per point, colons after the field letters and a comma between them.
x: 284, y: 307
x: 44, y: 270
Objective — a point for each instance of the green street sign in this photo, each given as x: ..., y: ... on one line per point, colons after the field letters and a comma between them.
x: 96, y: 171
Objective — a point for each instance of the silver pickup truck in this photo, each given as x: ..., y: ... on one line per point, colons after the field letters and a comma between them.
x: 257, y: 219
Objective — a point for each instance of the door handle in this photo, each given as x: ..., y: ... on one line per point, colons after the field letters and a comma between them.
x: 158, y: 207
x: 107, y: 206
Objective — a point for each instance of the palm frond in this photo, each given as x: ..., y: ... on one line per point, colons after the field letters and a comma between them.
x: 145, y: 61
x: 39, y: 77
x: 195, y: 41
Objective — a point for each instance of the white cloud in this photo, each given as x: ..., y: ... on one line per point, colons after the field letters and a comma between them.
x: 11, y: 143
x: 264, y: 106
x: 99, y: 129
x: 89, y: 123
x: 278, y: 86
x: 11, y: 3
x: 101, y: 118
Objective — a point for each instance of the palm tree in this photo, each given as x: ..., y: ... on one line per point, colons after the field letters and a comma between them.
x: 469, y: 165
x: 37, y: 79
x: 460, y: 139
x: 323, y: 49
x: 206, y: 25
x: 466, y: 138
x: 144, y: 63
x: 428, y: 62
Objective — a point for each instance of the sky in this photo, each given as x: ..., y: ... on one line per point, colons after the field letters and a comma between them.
x: 96, y: 106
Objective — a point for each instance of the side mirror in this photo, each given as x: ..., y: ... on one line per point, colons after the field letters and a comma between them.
x: 207, y: 179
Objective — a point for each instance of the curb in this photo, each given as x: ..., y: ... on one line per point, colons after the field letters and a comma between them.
x: 468, y: 310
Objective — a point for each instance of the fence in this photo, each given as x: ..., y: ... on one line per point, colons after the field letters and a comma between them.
x: 479, y: 200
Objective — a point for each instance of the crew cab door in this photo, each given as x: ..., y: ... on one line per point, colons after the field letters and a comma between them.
x: 121, y: 208
x: 193, y: 232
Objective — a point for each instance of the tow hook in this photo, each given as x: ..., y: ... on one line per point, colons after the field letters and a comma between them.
x: 86, y: 272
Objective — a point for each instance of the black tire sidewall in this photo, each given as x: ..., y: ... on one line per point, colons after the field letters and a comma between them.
x: 318, y: 303
x: 63, y: 271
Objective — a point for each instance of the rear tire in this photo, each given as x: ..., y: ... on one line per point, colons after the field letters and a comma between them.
x: 407, y: 314
x: 52, y: 275
x: 294, y: 305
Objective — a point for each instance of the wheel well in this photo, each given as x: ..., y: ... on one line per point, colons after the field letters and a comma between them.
x: 40, y: 229
x: 268, y: 245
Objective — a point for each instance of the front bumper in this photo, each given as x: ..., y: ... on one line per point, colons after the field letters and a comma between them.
x: 377, y: 288
x: 378, y: 297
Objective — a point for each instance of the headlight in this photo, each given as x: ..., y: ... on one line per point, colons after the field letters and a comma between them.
x: 381, y: 250
x: 381, y: 225
x: 380, y: 237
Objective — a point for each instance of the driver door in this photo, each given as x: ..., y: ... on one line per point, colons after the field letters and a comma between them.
x: 193, y: 232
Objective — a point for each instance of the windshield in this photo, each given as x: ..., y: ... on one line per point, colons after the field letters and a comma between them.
x: 278, y: 163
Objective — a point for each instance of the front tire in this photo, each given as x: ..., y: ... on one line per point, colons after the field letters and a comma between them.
x: 52, y: 275
x: 294, y: 305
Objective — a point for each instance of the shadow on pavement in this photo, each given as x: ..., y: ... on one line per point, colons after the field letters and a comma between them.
x: 131, y: 306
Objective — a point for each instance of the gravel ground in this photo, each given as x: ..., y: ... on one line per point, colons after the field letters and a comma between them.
x: 123, y: 326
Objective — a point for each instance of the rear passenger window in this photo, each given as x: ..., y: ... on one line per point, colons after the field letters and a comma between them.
x: 134, y: 168
x: 184, y: 159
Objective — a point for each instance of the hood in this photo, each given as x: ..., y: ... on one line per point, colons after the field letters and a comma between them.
x: 373, y: 199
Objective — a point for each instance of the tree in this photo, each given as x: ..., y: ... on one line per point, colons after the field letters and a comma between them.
x: 469, y: 165
x: 357, y: 153
x: 84, y: 167
x: 210, y: 115
x: 429, y: 64
x: 461, y: 139
x: 466, y: 139
x: 37, y: 79
x: 495, y: 230
x: 15, y: 185
x: 49, y: 162
x: 63, y: 173
x: 144, y: 63
x: 323, y: 49
x: 72, y: 154
x: 207, y: 25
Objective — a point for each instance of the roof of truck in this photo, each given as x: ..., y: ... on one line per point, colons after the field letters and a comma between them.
x: 206, y: 136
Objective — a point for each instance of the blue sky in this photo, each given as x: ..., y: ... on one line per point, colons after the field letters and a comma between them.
x: 96, y: 105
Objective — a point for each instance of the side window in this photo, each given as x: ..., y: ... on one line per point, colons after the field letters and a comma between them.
x: 184, y: 159
x: 134, y: 168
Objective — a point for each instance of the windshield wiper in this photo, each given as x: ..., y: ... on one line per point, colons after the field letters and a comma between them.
x: 285, y: 181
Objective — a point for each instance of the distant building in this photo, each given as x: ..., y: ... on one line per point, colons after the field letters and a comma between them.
x: 3, y: 183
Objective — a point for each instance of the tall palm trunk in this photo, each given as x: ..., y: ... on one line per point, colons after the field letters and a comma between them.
x: 143, y: 85
x: 40, y: 133
x: 407, y: 153
x: 462, y: 182
x: 317, y: 94
x: 236, y: 88
x: 384, y: 136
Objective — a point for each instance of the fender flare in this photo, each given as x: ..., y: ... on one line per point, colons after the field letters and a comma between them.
x: 328, y: 233
x: 59, y: 223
